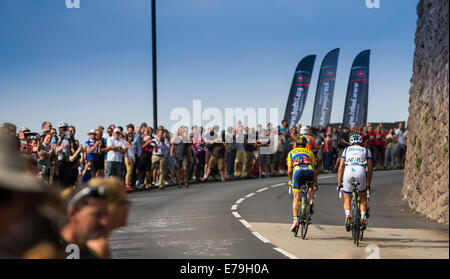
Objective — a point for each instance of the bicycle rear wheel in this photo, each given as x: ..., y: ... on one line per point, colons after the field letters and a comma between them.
x: 357, y: 226
x: 299, y: 219
x: 304, y: 219
x: 305, y: 224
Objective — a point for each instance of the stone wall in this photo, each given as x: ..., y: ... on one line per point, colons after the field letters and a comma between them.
x: 426, y: 184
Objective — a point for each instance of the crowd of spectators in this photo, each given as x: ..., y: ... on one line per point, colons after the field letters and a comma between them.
x: 72, y: 220
x: 144, y: 158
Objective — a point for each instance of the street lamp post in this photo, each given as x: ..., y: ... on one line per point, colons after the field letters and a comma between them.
x: 155, y: 108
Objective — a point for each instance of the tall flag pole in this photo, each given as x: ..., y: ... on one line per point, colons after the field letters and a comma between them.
x: 299, y: 90
x: 355, y: 112
x: 155, y: 107
x: 325, y: 90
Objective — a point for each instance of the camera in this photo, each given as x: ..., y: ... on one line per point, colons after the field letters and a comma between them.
x: 65, y: 135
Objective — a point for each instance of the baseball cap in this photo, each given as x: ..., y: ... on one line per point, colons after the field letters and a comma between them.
x: 24, y: 129
x: 116, y: 130
x: 92, y: 131
x: 62, y: 124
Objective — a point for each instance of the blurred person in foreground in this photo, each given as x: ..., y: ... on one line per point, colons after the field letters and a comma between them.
x: 21, y: 197
x: 86, y: 219
x: 117, y: 210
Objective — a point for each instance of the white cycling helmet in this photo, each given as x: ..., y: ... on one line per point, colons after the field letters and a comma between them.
x: 304, y: 131
x: 355, y: 139
x: 62, y: 124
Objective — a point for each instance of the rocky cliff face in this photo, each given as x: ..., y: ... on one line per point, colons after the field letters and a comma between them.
x: 426, y: 184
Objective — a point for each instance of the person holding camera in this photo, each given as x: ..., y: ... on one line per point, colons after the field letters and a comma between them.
x: 92, y: 147
x: 45, y: 153
x: 88, y: 171
x: 64, y: 170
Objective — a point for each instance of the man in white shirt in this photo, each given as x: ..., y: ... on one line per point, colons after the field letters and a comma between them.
x: 115, y: 147
x: 400, y: 148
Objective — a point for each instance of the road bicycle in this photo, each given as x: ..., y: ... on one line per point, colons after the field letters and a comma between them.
x: 304, y: 216
x: 356, y: 225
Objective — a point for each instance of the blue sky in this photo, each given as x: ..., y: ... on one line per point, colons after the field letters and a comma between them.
x: 92, y: 65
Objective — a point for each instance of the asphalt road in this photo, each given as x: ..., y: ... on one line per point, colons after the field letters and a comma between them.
x: 198, y: 222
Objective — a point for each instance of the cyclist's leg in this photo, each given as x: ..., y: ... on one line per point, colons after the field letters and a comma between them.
x: 347, y: 190
x: 311, y: 191
x: 362, y: 192
x: 296, y: 196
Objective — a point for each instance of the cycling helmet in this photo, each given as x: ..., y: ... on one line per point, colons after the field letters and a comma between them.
x: 62, y: 124
x: 355, y: 139
x: 301, y: 142
x: 304, y: 131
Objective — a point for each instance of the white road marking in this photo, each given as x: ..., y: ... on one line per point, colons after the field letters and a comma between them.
x: 245, y: 223
x: 239, y: 200
x: 261, y: 237
x: 236, y: 214
x: 285, y: 253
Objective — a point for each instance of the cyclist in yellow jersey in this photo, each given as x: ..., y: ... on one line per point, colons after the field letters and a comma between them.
x: 302, y: 169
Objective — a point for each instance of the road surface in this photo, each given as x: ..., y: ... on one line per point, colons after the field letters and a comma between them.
x: 250, y: 219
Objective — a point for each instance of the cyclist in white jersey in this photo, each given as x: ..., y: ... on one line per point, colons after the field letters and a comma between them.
x: 356, y: 162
